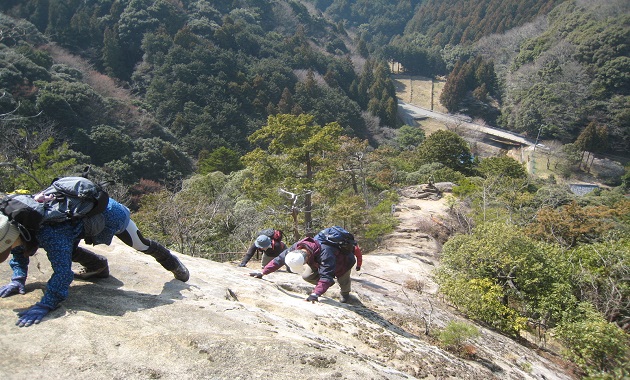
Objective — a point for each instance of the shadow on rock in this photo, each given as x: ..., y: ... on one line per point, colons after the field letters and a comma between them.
x: 357, y: 306
x: 105, y: 297
x: 369, y: 284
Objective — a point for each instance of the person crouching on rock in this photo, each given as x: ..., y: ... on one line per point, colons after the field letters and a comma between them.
x: 270, y: 243
x: 60, y: 241
x: 319, y: 264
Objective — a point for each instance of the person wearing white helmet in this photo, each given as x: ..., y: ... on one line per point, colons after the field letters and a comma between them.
x: 296, y: 260
x: 320, y: 264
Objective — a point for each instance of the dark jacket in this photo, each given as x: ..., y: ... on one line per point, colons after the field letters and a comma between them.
x: 276, y: 248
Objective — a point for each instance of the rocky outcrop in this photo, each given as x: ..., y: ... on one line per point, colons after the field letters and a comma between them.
x: 430, y: 191
x: 140, y: 323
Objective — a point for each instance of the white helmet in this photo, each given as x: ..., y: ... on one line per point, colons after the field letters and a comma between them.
x: 8, y: 233
x: 295, y: 260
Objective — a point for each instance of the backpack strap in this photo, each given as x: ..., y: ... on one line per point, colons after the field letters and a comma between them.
x: 25, y: 213
x: 100, y: 204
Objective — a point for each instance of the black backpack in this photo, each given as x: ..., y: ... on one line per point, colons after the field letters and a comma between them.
x: 73, y: 198
x: 66, y: 199
x: 25, y: 213
x: 338, y: 237
x: 275, y: 235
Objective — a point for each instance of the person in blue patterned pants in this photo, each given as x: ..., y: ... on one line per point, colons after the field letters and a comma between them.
x: 60, y: 241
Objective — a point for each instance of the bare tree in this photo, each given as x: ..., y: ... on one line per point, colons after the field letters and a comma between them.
x: 294, y: 210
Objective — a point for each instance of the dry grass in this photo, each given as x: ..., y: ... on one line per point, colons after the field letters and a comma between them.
x: 431, y: 125
x: 101, y: 83
x: 441, y: 231
x: 420, y: 91
x: 415, y: 285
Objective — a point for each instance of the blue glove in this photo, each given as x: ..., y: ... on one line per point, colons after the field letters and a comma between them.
x: 313, y: 298
x: 33, y: 315
x: 358, y: 269
x: 256, y: 274
x: 15, y: 286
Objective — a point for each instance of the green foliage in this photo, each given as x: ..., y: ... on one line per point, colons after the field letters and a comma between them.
x: 381, y: 221
x: 210, y: 73
x: 530, y: 51
x: 154, y: 158
x: 553, y: 196
x: 501, y: 166
x: 480, y: 300
x: 154, y: 217
x: 19, y: 31
x: 108, y: 144
x: 435, y: 172
x: 66, y: 73
x: 572, y: 224
x: 45, y: 163
x: 294, y: 147
x: 207, y: 216
x: 222, y: 159
x: 599, y: 347
x: 466, y: 187
x: 410, y: 137
x: 561, y: 76
x: 455, y: 334
x: 470, y: 20
x: 382, y: 93
x: 499, y: 276
x: 626, y: 177
x: 346, y: 172
x: 73, y: 105
x: 329, y: 105
x: 417, y: 54
x: 570, y: 158
x: 475, y: 76
x: 347, y: 211
x: 447, y: 148
x: 381, y: 18
x: 599, y: 272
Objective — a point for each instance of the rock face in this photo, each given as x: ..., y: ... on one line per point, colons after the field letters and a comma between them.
x: 140, y: 323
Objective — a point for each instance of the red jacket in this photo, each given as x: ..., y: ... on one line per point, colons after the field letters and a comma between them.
x: 359, y: 255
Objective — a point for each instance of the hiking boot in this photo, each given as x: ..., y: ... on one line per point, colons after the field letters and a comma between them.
x: 345, y: 298
x: 180, y: 272
x: 169, y: 261
x: 92, y: 264
x: 87, y: 273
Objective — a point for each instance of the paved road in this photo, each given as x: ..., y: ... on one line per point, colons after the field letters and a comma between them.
x: 409, y: 113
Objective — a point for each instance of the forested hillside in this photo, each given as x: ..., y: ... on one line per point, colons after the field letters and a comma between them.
x: 458, y: 22
x: 546, y: 69
x: 201, y: 76
x: 565, y: 72
x: 198, y: 77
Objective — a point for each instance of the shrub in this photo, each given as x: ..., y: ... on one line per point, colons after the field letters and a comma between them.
x: 599, y: 347
x: 480, y: 300
x: 455, y: 335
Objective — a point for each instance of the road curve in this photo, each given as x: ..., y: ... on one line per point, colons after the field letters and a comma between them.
x: 409, y: 113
